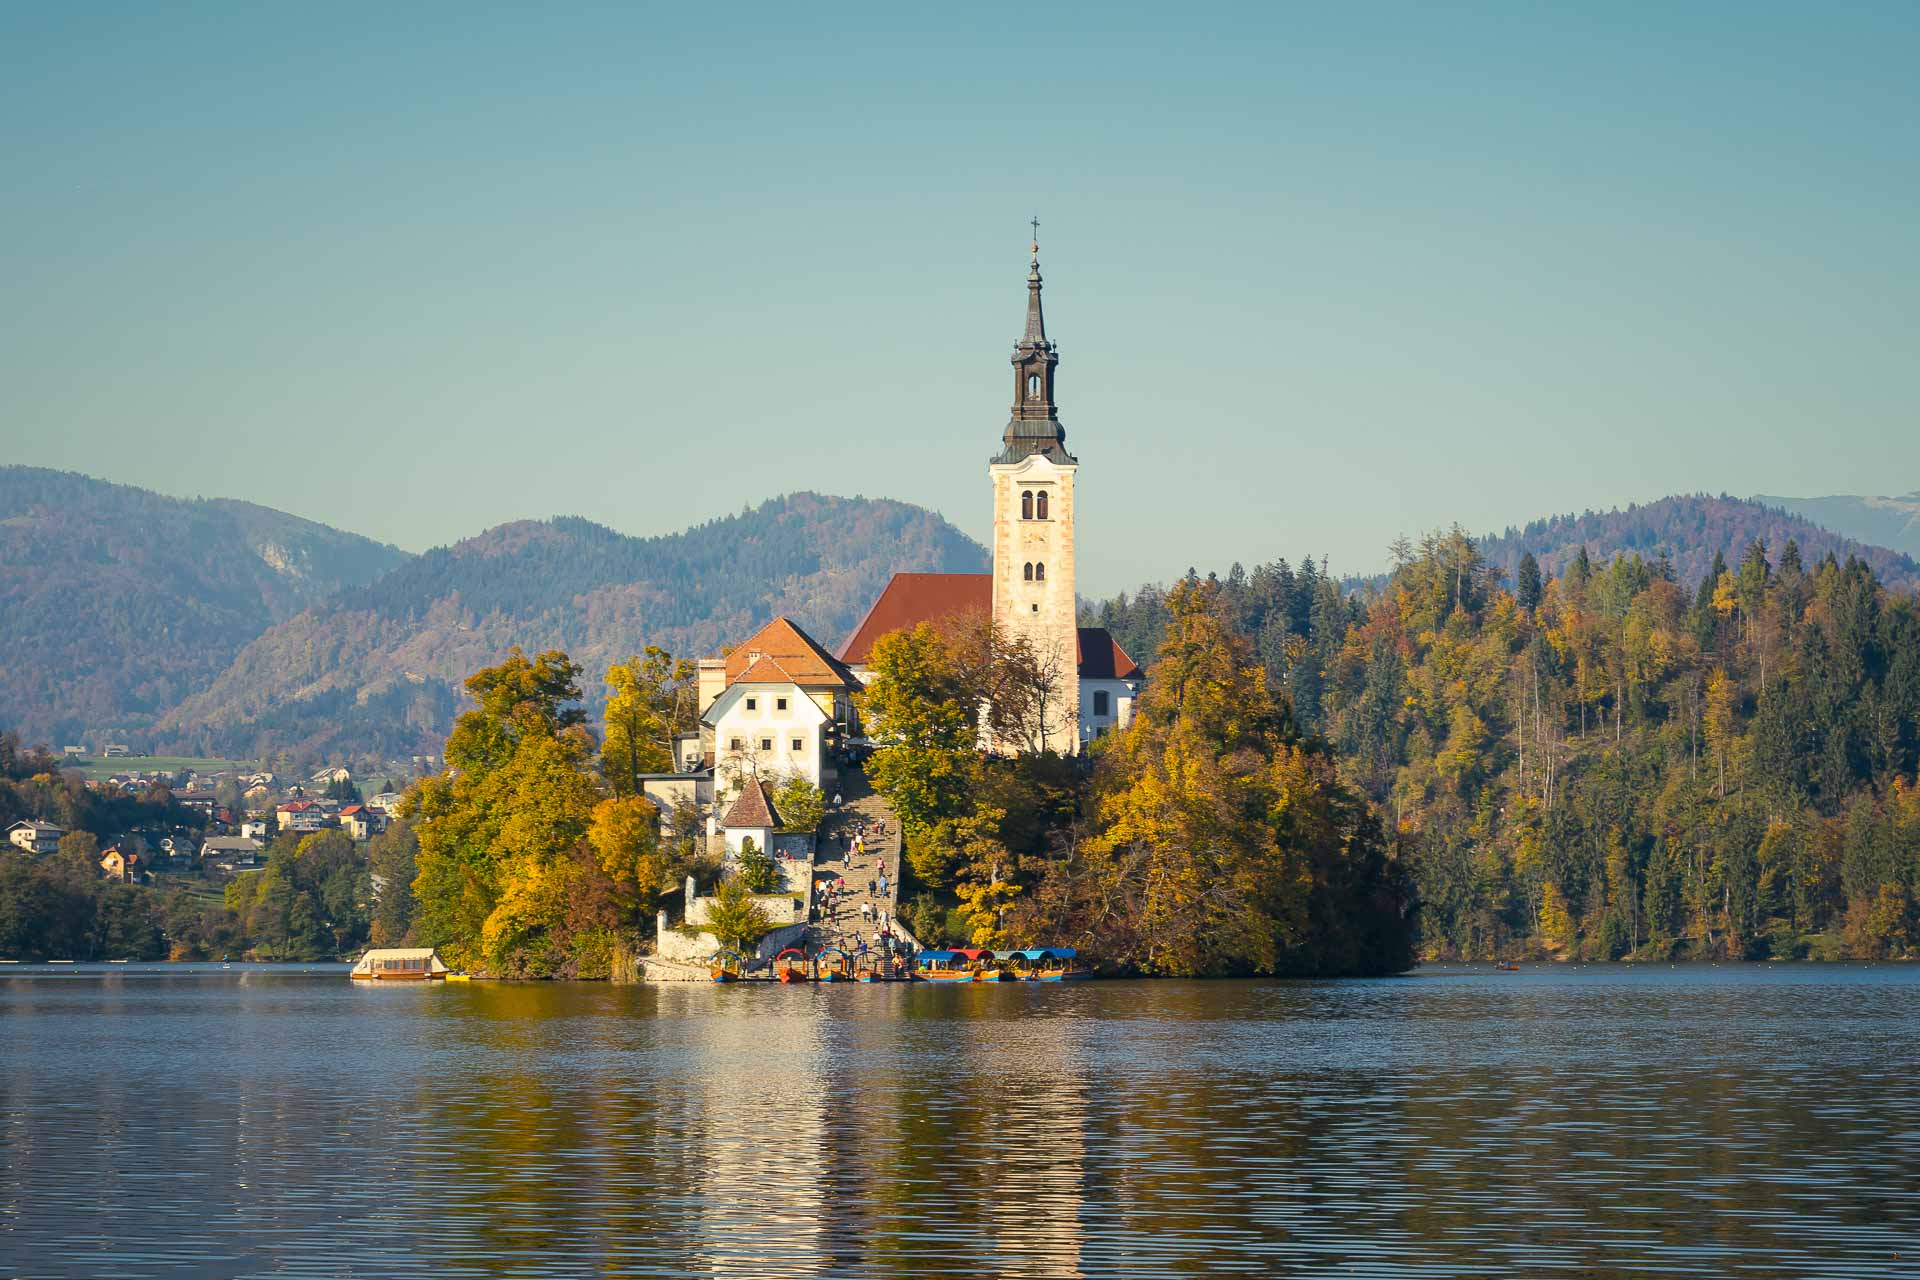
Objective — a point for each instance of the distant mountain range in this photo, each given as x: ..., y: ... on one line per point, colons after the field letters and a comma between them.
x: 1885, y: 522
x: 116, y: 603
x: 1689, y: 530
x: 221, y: 627
x: 378, y: 667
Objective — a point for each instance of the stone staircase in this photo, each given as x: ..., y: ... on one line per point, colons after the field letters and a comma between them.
x: 860, y: 811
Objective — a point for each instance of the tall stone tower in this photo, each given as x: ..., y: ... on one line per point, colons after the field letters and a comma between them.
x: 1033, y: 522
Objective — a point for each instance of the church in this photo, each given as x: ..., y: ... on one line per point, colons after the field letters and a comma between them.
x: 778, y: 697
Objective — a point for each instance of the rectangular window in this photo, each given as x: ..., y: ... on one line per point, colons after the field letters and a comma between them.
x: 779, y: 704
x: 737, y: 744
x: 753, y: 704
x: 799, y: 744
x: 1099, y: 702
x: 766, y: 744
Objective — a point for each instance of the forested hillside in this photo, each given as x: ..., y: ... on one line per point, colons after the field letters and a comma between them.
x: 1688, y: 531
x: 1615, y: 760
x: 378, y: 668
x: 116, y: 602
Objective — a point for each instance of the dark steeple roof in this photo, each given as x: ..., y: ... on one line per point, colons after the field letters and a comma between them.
x: 1035, y: 424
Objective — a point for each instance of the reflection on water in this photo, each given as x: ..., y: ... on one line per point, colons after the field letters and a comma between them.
x: 1598, y: 1122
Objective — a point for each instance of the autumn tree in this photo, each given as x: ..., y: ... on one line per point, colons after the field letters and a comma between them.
x: 502, y: 831
x: 652, y: 700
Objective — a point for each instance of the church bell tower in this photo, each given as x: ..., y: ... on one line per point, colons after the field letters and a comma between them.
x: 1032, y: 476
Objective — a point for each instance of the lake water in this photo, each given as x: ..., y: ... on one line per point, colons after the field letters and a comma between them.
x: 1596, y: 1122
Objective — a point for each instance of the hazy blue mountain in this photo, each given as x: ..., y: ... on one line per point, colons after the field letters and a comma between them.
x: 1886, y: 522
x: 116, y: 602
x: 379, y: 667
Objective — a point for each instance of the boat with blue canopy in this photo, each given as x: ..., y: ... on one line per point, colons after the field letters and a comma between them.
x: 1048, y: 964
x: 942, y: 966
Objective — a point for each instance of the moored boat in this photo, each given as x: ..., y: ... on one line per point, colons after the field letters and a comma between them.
x: 866, y: 967
x: 830, y: 965
x: 1048, y: 964
x: 725, y: 966
x: 985, y: 965
x: 791, y: 966
x: 942, y: 966
x: 399, y: 964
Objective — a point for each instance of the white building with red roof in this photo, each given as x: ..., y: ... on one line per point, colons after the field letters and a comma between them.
x: 772, y: 704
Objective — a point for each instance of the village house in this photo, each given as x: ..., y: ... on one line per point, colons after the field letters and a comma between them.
x: 122, y: 865
x: 772, y: 705
x: 386, y: 802
x: 34, y: 836
x: 254, y: 829
x: 362, y: 822
x: 230, y: 853
x: 302, y: 816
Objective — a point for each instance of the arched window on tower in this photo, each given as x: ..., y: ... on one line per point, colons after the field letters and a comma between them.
x: 1033, y: 386
x: 1040, y: 507
x: 1026, y: 505
x: 1039, y: 572
x: 1028, y: 574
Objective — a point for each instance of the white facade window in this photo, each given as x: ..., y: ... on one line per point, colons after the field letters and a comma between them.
x: 736, y: 744
x: 753, y: 704
x: 766, y: 744
x: 799, y: 745
x: 779, y: 704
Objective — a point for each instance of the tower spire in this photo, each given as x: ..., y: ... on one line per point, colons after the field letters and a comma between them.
x: 1035, y: 424
x: 1036, y: 334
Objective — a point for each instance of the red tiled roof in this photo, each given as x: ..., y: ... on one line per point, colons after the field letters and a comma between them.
x: 752, y: 809
x: 910, y: 599
x: 763, y: 670
x: 913, y: 598
x: 797, y: 655
x: 1102, y: 658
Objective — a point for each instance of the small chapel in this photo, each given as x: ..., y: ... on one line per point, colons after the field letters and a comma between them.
x: 779, y: 697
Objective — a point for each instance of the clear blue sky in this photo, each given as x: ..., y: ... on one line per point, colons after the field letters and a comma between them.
x: 1320, y: 274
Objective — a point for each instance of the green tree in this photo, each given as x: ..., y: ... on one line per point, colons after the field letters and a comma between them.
x: 735, y: 918
x: 391, y: 868
x: 1527, y: 584
x: 915, y: 705
x: 757, y: 871
x: 801, y: 805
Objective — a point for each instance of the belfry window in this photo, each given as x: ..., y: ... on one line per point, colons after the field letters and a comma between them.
x: 1033, y: 386
x: 1040, y: 506
x: 1039, y: 573
x: 1026, y: 505
x: 1028, y: 574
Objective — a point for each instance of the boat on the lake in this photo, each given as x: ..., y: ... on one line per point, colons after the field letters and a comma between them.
x: 1048, y: 964
x: 725, y: 966
x: 830, y: 965
x: 943, y: 966
x: 986, y: 966
x: 1508, y: 966
x: 867, y: 967
x: 791, y: 966
x: 399, y: 964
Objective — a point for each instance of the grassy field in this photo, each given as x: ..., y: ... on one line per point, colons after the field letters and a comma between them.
x: 96, y: 767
